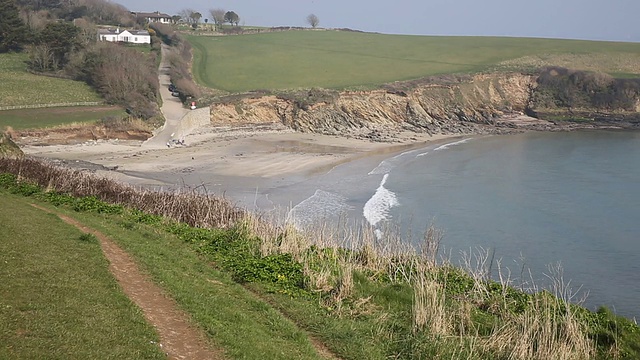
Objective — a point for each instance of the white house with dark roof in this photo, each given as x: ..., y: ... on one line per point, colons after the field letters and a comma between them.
x: 153, y: 17
x: 128, y: 36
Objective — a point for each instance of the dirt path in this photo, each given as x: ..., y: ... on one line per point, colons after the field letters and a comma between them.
x: 179, y: 340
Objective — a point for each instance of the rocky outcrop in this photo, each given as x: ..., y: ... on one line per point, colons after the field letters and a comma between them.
x: 446, y: 105
x: 9, y: 149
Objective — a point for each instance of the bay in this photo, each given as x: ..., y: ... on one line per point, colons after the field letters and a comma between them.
x: 534, y: 200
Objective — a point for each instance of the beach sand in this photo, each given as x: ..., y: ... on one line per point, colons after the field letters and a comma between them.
x: 240, y: 163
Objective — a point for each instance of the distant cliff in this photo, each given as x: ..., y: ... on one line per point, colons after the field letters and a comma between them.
x: 446, y: 104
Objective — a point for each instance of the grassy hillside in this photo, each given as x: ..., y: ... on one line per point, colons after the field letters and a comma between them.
x: 48, y: 117
x: 337, y: 59
x: 19, y: 87
x: 280, y: 296
x: 57, y: 297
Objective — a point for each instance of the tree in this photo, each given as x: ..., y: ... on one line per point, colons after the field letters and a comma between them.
x: 13, y: 31
x: 62, y: 39
x: 196, y: 18
x: 232, y: 18
x: 313, y: 20
x: 217, y: 15
x: 176, y: 18
x: 187, y: 15
x: 41, y: 58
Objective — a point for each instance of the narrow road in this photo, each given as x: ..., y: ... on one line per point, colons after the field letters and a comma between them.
x: 171, y: 108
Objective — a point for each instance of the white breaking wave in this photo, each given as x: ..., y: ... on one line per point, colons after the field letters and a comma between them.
x: 322, y: 206
x: 383, y: 168
x: 377, y: 208
x: 446, y: 146
x: 422, y: 154
x: 386, y: 165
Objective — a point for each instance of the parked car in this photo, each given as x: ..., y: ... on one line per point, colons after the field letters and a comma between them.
x: 172, y: 88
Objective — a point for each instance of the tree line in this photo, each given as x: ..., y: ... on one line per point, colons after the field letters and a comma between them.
x: 57, y: 46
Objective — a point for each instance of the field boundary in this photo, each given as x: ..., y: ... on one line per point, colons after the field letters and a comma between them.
x: 40, y: 106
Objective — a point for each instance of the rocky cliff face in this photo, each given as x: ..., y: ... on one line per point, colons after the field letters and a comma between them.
x: 446, y: 105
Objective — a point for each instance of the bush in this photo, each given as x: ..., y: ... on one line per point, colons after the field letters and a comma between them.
x: 123, y: 75
x: 560, y: 87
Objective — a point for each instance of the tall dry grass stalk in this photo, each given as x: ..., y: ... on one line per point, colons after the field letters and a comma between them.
x: 194, y: 206
x: 543, y: 331
x: 546, y: 329
x: 429, y: 303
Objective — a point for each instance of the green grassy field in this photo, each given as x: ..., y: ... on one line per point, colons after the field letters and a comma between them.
x: 48, y: 117
x: 338, y: 60
x: 57, y: 297
x: 19, y: 87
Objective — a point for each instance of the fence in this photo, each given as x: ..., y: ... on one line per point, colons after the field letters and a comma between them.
x: 40, y: 106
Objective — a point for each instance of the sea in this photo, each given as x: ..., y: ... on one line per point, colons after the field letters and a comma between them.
x: 539, y: 206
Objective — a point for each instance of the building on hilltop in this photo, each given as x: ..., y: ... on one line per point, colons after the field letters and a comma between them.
x: 153, y: 17
x: 127, y: 36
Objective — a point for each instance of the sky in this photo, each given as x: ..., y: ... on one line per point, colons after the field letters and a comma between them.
x: 571, y: 19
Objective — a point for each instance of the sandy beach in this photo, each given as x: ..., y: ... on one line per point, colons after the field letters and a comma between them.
x: 231, y: 161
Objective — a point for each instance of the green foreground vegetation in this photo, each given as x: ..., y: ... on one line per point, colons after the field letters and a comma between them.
x: 57, y: 297
x: 342, y: 59
x: 257, y: 300
x: 49, y: 117
x: 19, y: 87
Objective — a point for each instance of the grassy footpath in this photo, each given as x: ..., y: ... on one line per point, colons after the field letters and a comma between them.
x: 19, y: 87
x: 246, y: 327
x: 48, y: 117
x: 259, y: 297
x: 339, y: 59
x: 57, y: 297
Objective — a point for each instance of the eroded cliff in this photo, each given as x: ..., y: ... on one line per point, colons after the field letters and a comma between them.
x: 449, y: 104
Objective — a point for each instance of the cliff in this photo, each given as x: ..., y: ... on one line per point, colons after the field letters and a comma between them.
x: 474, y: 104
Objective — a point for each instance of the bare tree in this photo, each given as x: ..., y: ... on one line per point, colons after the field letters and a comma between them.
x: 218, y: 16
x: 187, y: 16
x: 196, y: 19
x: 313, y: 20
x: 41, y: 58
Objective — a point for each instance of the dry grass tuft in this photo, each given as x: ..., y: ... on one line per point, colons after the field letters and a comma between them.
x: 193, y: 206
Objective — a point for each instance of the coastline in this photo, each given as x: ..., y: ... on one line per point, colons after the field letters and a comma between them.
x: 274, y: 172
x: 238, y: 163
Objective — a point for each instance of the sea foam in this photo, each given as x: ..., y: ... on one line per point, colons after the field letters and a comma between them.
x: 377, y: 208
x: 386, y: 165
x: 446, y: 146
x: 322, y: 206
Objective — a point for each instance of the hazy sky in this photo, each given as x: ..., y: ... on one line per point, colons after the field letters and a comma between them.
x: 576, y: 19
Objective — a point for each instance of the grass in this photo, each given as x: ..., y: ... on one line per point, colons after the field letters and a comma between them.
x: 258, y: 290
x: 50, y: 117
x: 246, y: 327
x: 20, y: 87
x: 339, y: 59
x: 57, y: 297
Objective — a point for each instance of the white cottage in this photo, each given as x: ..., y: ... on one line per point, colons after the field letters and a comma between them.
x: 153, y: 17
x: 128, y: 36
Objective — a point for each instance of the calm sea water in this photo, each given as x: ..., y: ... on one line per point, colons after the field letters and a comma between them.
x: 534, y: 199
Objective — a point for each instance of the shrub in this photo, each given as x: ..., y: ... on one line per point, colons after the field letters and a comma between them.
x: 560, y: 87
